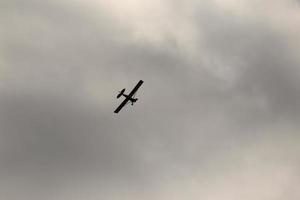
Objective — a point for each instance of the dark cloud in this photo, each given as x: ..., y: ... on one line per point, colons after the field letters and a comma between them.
x: 220, y: 90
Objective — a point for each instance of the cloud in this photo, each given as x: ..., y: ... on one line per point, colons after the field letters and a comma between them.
x: 217, y: 116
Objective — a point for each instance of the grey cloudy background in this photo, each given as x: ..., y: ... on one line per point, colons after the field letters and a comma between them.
x: 218, y: 115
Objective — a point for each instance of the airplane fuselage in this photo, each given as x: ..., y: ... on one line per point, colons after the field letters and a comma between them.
x: 130, y: 99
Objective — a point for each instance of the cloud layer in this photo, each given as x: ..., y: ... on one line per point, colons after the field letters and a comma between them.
x: 217, y: 117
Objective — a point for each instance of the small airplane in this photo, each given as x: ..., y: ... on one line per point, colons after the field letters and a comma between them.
x: 128, y: 97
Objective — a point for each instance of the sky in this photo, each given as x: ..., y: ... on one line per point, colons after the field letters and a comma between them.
x: 217, y: 117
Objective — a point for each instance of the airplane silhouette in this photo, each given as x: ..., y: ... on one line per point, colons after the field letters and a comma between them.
x: 128, y: 98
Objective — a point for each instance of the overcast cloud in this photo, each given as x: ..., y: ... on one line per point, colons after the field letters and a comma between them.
x: 217, y: 117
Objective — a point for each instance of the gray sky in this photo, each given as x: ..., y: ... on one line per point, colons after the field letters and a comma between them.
x: 217, y: 117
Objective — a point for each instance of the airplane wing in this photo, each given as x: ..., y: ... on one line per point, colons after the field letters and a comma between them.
x: 135, y: 88
x: 129, y: 96
x: 121, y: 105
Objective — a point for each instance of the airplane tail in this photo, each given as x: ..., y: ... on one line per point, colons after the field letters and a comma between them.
x: 121, y: 93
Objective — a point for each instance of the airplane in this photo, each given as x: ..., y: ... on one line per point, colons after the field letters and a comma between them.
x: 128, y: 97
